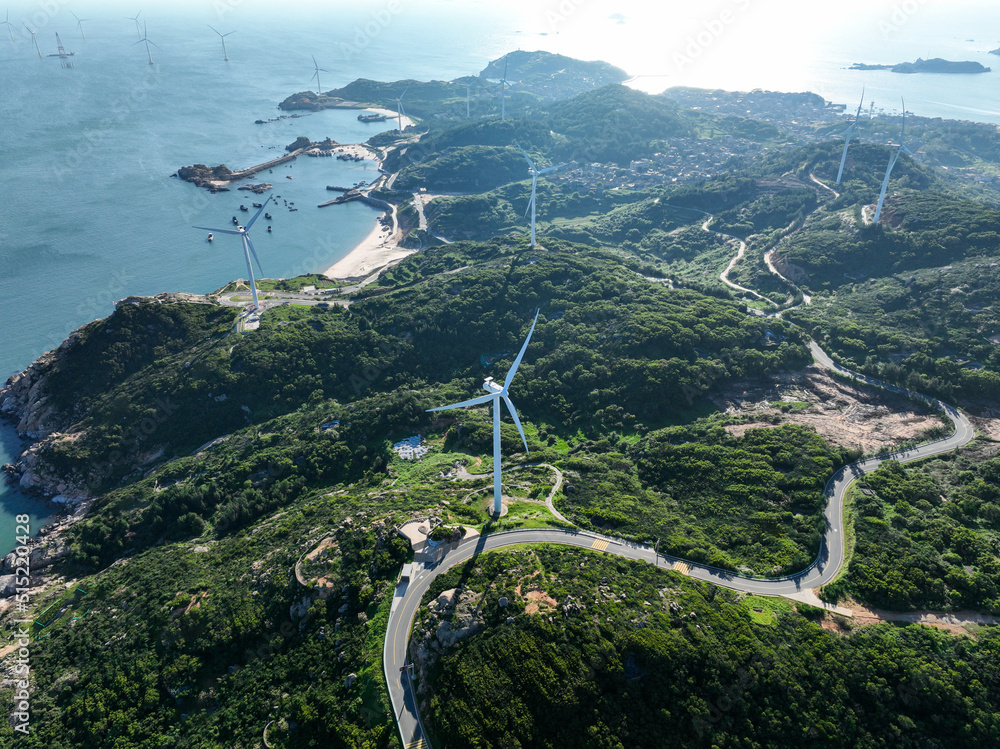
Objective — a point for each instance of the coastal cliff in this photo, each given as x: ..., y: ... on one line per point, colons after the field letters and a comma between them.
x: 24, y: 400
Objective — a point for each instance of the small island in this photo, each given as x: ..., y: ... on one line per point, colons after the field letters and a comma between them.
x: 995, y: 51
x: 935, y: 65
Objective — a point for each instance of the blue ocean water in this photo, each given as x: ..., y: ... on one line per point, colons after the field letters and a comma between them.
x: 89, y: 212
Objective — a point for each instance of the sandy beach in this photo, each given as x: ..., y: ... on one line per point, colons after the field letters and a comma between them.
x: 375, y: 251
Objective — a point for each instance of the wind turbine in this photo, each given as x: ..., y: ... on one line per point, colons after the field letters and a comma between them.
x: 225, y: 54
x: 535, y: 173
x: 319, y: 86
x: 79, y: 23
x: 847, y: 136
x: 892, y: 163
x: 503, y: 88
x: 10, y: 27
x: 495, y: 394
x: 399, y: 109
x: 468, y: 90
x: 136, y: 19
x: 145, y: 38
x: 244, y: 233
x: 33, y: 39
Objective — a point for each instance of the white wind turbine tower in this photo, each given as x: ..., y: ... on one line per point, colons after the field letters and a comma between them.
x: 892, y: 163
x: 135, y: 18
x: 225, y: 54
x: 10, y: 27
x: 503, y: 89
x: 79, y: 23
x: 399, y: 109
x: 145, y: 38
x: 496, y: 393
x: 319, y: 86
x: 33, y: 39
x: 244, y: 233
x: 847, y: 136
x: 535, y: 174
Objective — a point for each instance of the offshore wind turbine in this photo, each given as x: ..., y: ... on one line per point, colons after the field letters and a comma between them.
x: 135, y: 18
x: 496, y: 393
x: 535, y: 173
x: 33, y: 39
x: 225, y: 54
x: 847, y: 136
x: 243, y: 232
x: 10, y: 27
x: 145, y: 38
x: 319, y: 86
x: 79, y: 23
x: 892, y: 163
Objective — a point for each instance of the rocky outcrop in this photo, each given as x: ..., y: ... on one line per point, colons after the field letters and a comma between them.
x: 23, y: 399
x: 209, y: 177
x: 35, y: 476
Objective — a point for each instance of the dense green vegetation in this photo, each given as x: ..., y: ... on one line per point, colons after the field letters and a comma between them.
x: 928, y: 535
x: 221, y: 460
x: 190, y: 645
x: 631, y: 655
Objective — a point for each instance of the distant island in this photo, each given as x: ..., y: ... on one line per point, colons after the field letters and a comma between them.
x: 995, y: 51
x: 935, y: 65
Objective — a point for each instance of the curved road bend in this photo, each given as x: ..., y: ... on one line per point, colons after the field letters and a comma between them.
x: 823, y: 570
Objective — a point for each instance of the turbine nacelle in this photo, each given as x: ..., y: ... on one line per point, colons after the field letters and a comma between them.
x: 496, y: 393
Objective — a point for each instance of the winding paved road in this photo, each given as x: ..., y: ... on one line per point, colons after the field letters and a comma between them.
x: 823, y: 570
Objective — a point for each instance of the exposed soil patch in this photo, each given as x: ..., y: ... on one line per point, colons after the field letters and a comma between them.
x: 841, y: 413
x: 539, y: 599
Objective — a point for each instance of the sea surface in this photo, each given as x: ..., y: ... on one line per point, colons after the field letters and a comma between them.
x: 89, y: 212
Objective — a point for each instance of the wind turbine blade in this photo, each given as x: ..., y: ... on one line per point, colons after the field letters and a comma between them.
x: 259, y: 211
x: 504, y: 79
x: 253, y: 252
x: 463, y: 404
x: 520, y: 355
x: 902, y: 131
x: 315, y: 64
x: 517, y: 421
x: 153, y: 43
x: 221, y: 231
x: 213, y: 28
x: 551, y: 168
x: 530, y: 201
x: 530, y: 163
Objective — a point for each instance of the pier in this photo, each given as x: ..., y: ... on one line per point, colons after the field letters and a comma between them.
x: 233, y: 176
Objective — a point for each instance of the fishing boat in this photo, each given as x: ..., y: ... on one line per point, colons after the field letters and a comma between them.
x: 267, y: 216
